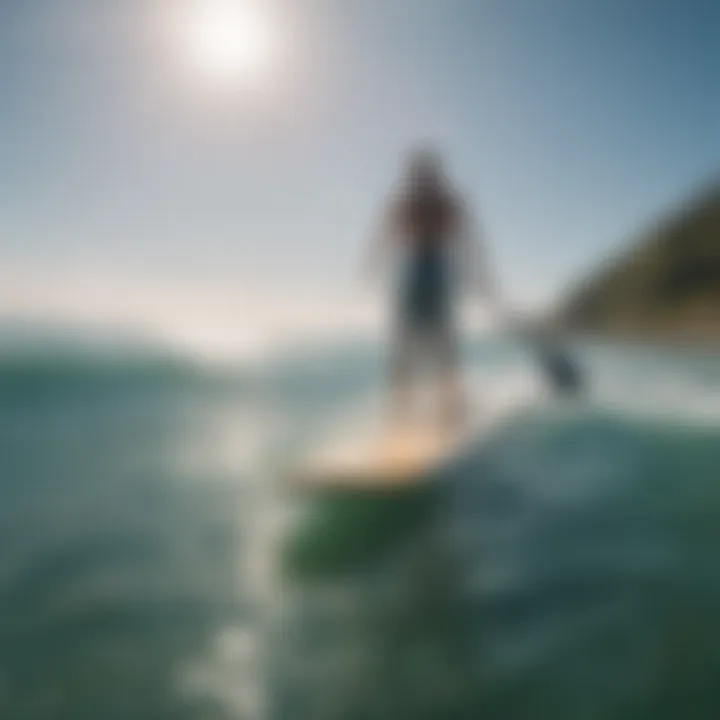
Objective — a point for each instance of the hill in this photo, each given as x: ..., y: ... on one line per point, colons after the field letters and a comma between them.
x: 666, y: 286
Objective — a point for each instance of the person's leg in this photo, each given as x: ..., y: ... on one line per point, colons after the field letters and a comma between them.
x: 402, y: 373
x: 451, y: 391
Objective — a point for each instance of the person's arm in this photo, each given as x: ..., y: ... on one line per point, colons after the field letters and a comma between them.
x: 482, y: 277
x: 382, y: 242
x: 474, y: 260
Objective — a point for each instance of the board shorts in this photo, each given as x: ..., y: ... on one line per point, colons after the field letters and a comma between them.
x: 425, y: 291
x: 425, y: 323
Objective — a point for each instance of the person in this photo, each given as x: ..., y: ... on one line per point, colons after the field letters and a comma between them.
x: 427, y: 224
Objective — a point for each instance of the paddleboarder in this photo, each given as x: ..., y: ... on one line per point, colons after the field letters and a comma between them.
x: 427, y: 226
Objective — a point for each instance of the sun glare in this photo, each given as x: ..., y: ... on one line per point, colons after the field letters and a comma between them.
x: 230, y: 39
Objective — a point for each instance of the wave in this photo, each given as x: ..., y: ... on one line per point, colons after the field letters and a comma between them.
x: 41, y: 358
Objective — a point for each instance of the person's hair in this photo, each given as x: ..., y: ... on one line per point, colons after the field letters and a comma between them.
x: 424, y: 167
x: 424, y: 160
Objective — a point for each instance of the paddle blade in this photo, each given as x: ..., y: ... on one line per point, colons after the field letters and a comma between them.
x: 560, y: 369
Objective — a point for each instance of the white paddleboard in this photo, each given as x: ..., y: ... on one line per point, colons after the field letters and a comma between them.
x: 374, y: 456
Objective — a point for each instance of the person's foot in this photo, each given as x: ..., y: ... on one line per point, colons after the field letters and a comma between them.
x: 454, y: 412
x: 399, y: 410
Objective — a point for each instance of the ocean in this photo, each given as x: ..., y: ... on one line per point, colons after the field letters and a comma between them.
x: 154, y: 567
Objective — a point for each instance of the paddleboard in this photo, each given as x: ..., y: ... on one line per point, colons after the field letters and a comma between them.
x: 391, y: 456
x: 369, y: 486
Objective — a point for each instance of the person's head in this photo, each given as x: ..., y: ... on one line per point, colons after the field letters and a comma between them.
x: 424, y: 168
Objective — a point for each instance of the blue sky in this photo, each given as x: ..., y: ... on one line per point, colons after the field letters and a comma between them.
x: 569, y: 124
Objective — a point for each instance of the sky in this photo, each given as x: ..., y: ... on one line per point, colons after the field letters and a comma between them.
x: 130, y: 180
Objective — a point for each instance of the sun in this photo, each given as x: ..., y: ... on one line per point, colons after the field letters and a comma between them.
x: 230, y: 40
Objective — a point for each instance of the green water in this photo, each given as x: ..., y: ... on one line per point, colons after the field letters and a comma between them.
x: 153, y: 568
x: 568, y: 571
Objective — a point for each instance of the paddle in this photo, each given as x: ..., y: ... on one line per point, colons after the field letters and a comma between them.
x: 561, y: 370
